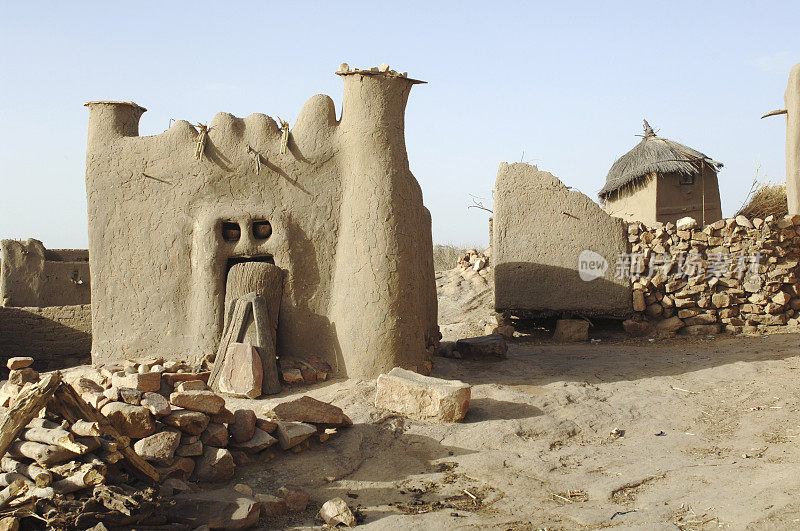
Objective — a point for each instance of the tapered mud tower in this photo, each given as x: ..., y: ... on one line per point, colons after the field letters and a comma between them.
x: 791, y: 100
x: 181, y: 222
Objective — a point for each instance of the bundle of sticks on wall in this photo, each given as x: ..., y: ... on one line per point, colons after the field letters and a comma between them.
x: 66, y: 466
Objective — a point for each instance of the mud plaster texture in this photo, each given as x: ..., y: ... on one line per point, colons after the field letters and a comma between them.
x: 32, y: 276
x: 540, y: 229
x: 792, y: 100
x: 662, y: 198
x: 348, y: 226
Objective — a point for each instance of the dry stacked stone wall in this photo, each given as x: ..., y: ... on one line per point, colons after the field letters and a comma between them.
x: 735, y: 275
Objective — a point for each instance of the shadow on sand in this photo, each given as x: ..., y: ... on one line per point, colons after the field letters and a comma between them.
x: 617, y: 359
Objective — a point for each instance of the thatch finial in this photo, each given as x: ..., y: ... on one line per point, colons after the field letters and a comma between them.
x: 648, y: 131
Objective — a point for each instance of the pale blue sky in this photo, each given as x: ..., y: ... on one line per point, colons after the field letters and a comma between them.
x: 567, y: 83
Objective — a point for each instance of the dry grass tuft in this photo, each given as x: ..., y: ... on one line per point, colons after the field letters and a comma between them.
x: 765, y: 199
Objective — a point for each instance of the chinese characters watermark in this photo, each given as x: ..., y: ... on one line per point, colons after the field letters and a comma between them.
x: 632, y: 265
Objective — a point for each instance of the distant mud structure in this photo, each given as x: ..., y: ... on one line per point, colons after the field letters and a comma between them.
x: 331, y: 204
x: 44, y: 302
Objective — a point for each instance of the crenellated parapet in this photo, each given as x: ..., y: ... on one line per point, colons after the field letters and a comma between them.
x: 334, y: 205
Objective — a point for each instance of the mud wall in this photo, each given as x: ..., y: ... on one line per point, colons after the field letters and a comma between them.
x: 735, y: 275
x: 57, y: 336
x: 32, y: 276
x: 345, y: 215
x: 638, y: 204
x: 699, y: 200
x: 542, y: 233
x: 791, y: 99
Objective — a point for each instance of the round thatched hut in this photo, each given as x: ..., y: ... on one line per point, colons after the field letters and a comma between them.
x: 660, y: 180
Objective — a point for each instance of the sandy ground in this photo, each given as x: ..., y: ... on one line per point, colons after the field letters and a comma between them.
x: 465, y: 305
x: 709, y: 439
x: 535, y: 448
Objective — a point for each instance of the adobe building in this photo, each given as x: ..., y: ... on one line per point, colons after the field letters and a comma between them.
x: 33, y: 276
x: 660, y: 181
x: 331, y: 202
x: 44, y: 303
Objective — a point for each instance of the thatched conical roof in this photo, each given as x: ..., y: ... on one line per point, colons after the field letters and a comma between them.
x: 654, y: 155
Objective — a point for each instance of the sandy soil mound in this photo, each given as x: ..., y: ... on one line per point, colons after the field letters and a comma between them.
x: 465, y: 302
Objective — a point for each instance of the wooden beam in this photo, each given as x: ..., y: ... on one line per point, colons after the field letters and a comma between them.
x: 72, y: 407
x: 25, y: 407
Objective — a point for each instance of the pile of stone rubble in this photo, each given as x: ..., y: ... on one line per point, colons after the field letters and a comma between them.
x: 475, y: 261
x: 118, y: 444
x: 735, y: 275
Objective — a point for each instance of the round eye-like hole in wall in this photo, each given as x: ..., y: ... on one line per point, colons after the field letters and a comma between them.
x: 261, y: 230
x: 231, y: 231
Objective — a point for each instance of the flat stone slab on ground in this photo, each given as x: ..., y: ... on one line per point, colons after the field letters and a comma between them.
x: 571, y: 331
x: 290, y: 434
x: 217, y: 509
x: 422, y: 397
x: 311, y: 411
x: 482, y: 347
x: 260, y: 440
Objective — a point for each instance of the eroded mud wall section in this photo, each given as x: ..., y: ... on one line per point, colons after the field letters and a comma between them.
x: 57, y: 336
x: 544, y: 237
x: 32, y: 276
